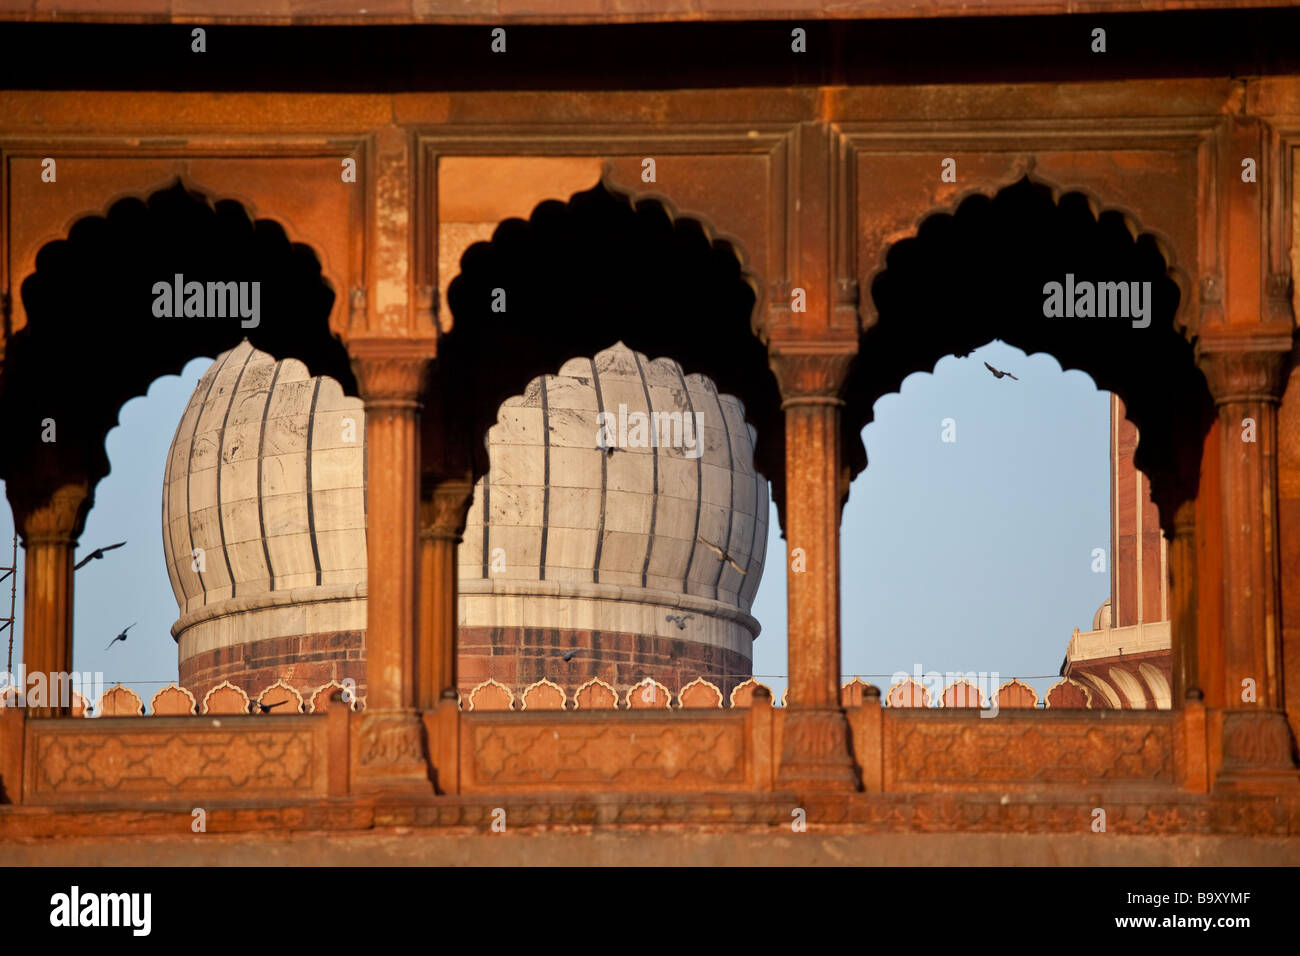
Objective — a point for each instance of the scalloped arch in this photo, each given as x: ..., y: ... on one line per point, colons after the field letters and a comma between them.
x: 579, y: 276
x: 868, y: 314
x: 1002, y: 242
x: 90, y: 286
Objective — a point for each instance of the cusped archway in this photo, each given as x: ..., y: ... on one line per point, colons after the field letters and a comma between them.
x: 577, y: 277
x: 134, y: 294
x: 983, y: 272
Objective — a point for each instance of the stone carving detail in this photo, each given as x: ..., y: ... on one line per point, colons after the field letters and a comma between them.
x: 595, y: 695
x: 814, y: 735
x: 857, y: 691
x: 320, y: 698
x: 1255, y: 740
x: 908, y: 693
x: 119, y: 701
x: 1067, y: 694
x: 619, y: 755
x: 647, y: 694
x: 193, y: 761
x: 386, y: 741
x: 1016, y: 693
x: 543, y: 695
x: 928, y: 752
x: 699, y: 693
x: 961, y: 693
x: 225, y: 698
x: 282, y: 698
x: 491, y: 695
x: 172, y: 701
x: 1211, y: 289
x: 742, y: 695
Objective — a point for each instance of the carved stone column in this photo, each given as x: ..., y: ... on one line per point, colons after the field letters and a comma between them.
x: 1246, y: 377
x: 390, y: 745
x: 49, y: 532
x: 442, y: 523
x: 1182, y: 602
x: 815, y: 750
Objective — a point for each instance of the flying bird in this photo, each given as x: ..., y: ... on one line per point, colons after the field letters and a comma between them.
x: 998, y: 374
x: 723, y: 556
x: 569, y: 655
x: 95, y: 555
x: 120, y: 637
x: 607, y: 449
x: 266, y: 708
x: 680, y: 620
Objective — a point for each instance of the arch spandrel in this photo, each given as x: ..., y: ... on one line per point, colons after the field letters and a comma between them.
x: 287, y: 190
x: 95, y: 287
x: 974, y: 273
x: 1145, y: 186
x: 578, y: 277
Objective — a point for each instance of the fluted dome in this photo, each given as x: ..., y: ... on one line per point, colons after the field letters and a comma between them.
x: 675, y: 487
x: 646, y: 551
x: 266, y: 475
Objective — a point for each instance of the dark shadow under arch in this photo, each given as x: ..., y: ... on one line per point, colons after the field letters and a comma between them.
x: 92, y: 341
x: 577, y: 278
x: 978, y: 274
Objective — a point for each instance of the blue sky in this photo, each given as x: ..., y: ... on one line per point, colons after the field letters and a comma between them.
x: 973, y: 555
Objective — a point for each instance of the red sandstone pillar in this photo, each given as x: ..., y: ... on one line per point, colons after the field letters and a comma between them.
x: 815, y: 752
x: 49, y: 533
x: 1182, y: 603
x: 390, y: 744
x: 1246, y: 377
x: 442, y: 523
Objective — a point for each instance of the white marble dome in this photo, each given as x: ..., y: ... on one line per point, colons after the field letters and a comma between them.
x: 266, y: 475
x: 558, y: 508
x: 265, y: 483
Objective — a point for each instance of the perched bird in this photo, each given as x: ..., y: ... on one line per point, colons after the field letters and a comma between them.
x: 570, y: 655
x: 120, y: 637
x: 266, y: 708
x: 96, y: 554
x: 722, y: 555
x: 998, y: 374
x: 679, y: 619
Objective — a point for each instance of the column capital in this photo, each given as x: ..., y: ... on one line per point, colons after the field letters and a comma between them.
x: 811, y: 373
x: 390, y: 372
x: 445, y: 508
x: 57, y: 520
x: 1242, y: 368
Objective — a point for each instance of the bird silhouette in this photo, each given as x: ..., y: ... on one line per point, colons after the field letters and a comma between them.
x: 680, y: 620
x: 95, y: 555
x: 569, y: 655
x: 998, y: 374
x: 722, y: 555
x: 607, y: 449
x: 266, y: 708
x: 120, y: 637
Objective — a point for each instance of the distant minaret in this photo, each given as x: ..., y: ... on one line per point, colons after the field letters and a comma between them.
x: 1138, y: 575
x: 1125, y: 660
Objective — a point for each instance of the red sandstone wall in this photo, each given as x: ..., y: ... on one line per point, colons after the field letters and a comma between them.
x: 515, y: 657
x: 518, y: 657
x: 305, y: 662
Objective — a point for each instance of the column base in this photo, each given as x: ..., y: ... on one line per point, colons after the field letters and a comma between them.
x: 389, y: 753
x: 1257, y: 753
x: 815, y: 751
